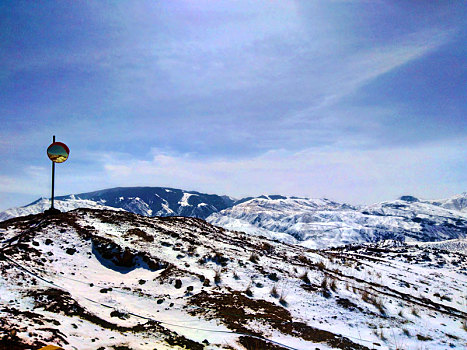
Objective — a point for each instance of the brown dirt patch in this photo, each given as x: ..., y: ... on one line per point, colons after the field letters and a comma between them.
x: 234, y: 309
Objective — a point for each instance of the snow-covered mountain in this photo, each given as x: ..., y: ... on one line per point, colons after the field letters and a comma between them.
x: 159, y: 201
x: 98, y: 279
x: 321, y: 223
x: 147, y: 201
x: 314, y: 223
x: 458, y: 202
x: 42, y: 204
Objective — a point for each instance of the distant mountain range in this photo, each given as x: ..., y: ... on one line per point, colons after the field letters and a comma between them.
x: 321, y: 223
x: 147, y: 201
x: 313, y: 223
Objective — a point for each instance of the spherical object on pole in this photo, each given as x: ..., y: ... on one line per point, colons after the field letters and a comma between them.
x: 57, y: 152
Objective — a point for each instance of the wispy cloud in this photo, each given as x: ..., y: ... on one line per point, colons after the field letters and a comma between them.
x: 228, y: 90
x: 361, y: 176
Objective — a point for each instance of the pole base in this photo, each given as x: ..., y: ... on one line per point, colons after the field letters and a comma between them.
x: 52, y: 211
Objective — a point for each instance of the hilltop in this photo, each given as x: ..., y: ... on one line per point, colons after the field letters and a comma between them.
x: 101, y: 279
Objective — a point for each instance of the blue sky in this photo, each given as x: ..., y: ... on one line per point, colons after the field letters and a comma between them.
x: 358, y: 101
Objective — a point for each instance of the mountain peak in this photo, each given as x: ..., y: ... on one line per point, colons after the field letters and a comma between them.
x: 410, y: 199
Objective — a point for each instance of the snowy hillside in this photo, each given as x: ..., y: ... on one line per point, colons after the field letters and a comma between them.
x: 454, y: 245
x: 458, y: 202
x: 147, y: 201
x: 320, y: 223
x: 93, y: 279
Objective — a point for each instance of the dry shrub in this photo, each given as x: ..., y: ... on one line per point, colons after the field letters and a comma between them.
x: 321, y: 266
x: 274, y: 292
x: 378, y: 303
x: 325, y: 287
x: 217, y: 276
x: 267, y: 247
x: 366, y: 297
x: 139, y: 233
x: 254, y: 258
x: 333, y: 285
x: 304, y: 260
x: 282, y: 299
x: 304, y: 277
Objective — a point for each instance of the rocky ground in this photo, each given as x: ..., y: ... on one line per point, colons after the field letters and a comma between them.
x: 99, y: 279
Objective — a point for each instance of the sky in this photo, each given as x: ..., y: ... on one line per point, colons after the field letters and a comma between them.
x: 357, y: 101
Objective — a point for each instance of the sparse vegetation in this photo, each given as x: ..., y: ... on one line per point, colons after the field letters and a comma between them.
x: 282, y: 299
x: 333, y: 285
x: 378, y: 303
x: 325, y: 287
x: 139, y: 233
x: 375, y: 301
x: 415, y: 312
x: 219, y: 259
x: 267, y: 247
x: 424, y: 338
x: 321, y: 266
x: 324, y: 283
x: 236, y: 276
x: 254, y: 258
x: 274, y: 292
x: 366, y: 296
x: 217, y: 276
x: 304, y: 260
x: 304, y: 277
x: 233, y: 308
x: 380, y: 333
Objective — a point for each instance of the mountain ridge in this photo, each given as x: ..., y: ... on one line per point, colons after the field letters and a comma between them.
x: 322, y: 223
x: 314, y: 223
x: 147, y: 201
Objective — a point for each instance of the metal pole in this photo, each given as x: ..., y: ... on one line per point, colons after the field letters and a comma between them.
x: 53, y: 180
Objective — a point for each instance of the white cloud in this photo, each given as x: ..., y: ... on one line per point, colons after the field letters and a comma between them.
x: 357, y: 176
